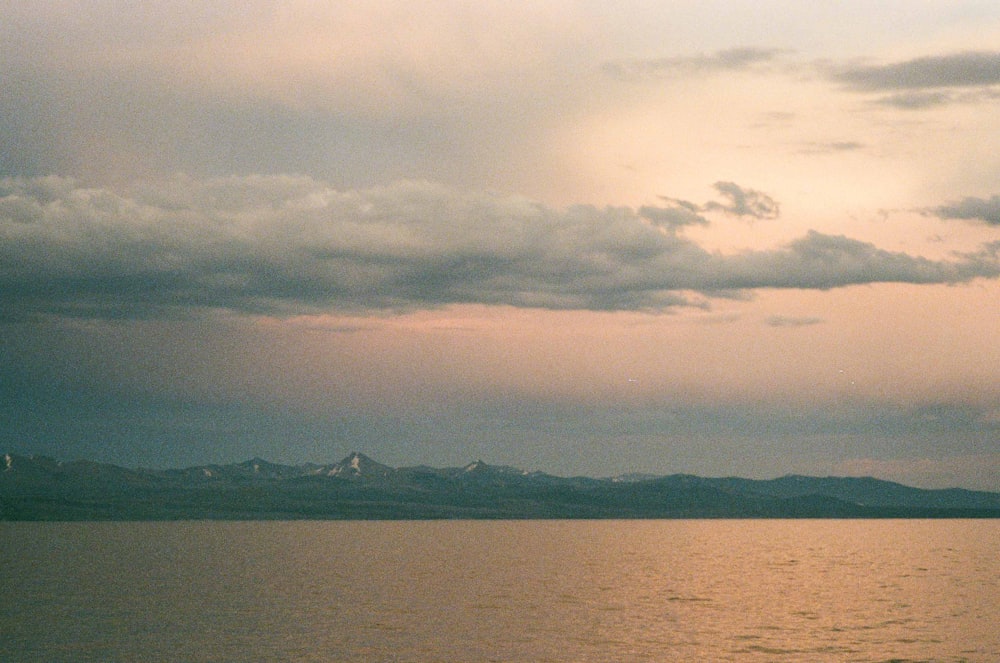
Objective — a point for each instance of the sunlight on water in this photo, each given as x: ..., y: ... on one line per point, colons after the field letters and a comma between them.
x: 745, y: 590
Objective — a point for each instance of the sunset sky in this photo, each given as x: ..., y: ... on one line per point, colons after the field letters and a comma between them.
x: 721, y: 238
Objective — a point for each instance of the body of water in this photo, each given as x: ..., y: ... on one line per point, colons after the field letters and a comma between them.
x: 674, y: 590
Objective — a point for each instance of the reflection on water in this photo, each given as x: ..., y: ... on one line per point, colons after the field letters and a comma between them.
x: 743, y: 590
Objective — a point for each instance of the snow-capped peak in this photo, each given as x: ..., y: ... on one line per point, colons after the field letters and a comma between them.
x: 357, y: 464
x: 350, y: 465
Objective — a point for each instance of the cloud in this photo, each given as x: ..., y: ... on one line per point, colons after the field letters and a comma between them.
x: 845, y: 145
x: 733, y: 59
x: 744, y: 202
x: 292, y: 245
x: 789, y: 321
x: 916, y: 100
x: 971, y: 69
x: 820, y: 261
x: 914, y: 84
x: 832, y: 147
x: 739, y: 201
x: 927, y: 82
x: 676, y: 215
x: 972, y: 209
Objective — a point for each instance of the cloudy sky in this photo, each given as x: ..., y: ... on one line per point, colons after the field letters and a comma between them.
x: 724, y: 238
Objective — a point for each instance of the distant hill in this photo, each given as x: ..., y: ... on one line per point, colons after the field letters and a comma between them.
x: 357, y: 487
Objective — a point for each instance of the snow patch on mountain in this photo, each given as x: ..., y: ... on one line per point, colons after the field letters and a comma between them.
x: 357, y: 465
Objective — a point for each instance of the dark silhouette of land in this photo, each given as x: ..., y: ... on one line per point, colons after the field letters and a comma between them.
x: 359, y: 488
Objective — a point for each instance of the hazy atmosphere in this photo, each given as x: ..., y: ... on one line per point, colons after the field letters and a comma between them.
x: 719, y: 238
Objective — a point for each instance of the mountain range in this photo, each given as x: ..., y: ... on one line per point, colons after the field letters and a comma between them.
x: 359, y: 488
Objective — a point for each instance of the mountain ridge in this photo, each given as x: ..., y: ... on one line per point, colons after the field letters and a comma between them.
x: 358, y: 487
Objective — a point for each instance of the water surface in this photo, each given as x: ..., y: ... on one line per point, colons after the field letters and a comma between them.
x: 721, y: 590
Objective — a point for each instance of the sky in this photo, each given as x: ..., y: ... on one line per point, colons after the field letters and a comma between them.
x: 587, y: 238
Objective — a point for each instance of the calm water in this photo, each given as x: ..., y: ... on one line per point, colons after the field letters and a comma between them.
x: 501, y: 591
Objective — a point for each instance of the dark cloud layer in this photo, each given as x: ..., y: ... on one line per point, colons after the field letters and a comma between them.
x: 927, y: 82
x: 284, y: 245
x: 973, y: 69
x: 971, y: 208
x: 914, y: 84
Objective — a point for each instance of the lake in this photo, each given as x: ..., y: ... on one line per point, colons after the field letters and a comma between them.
x: 654, y: 590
